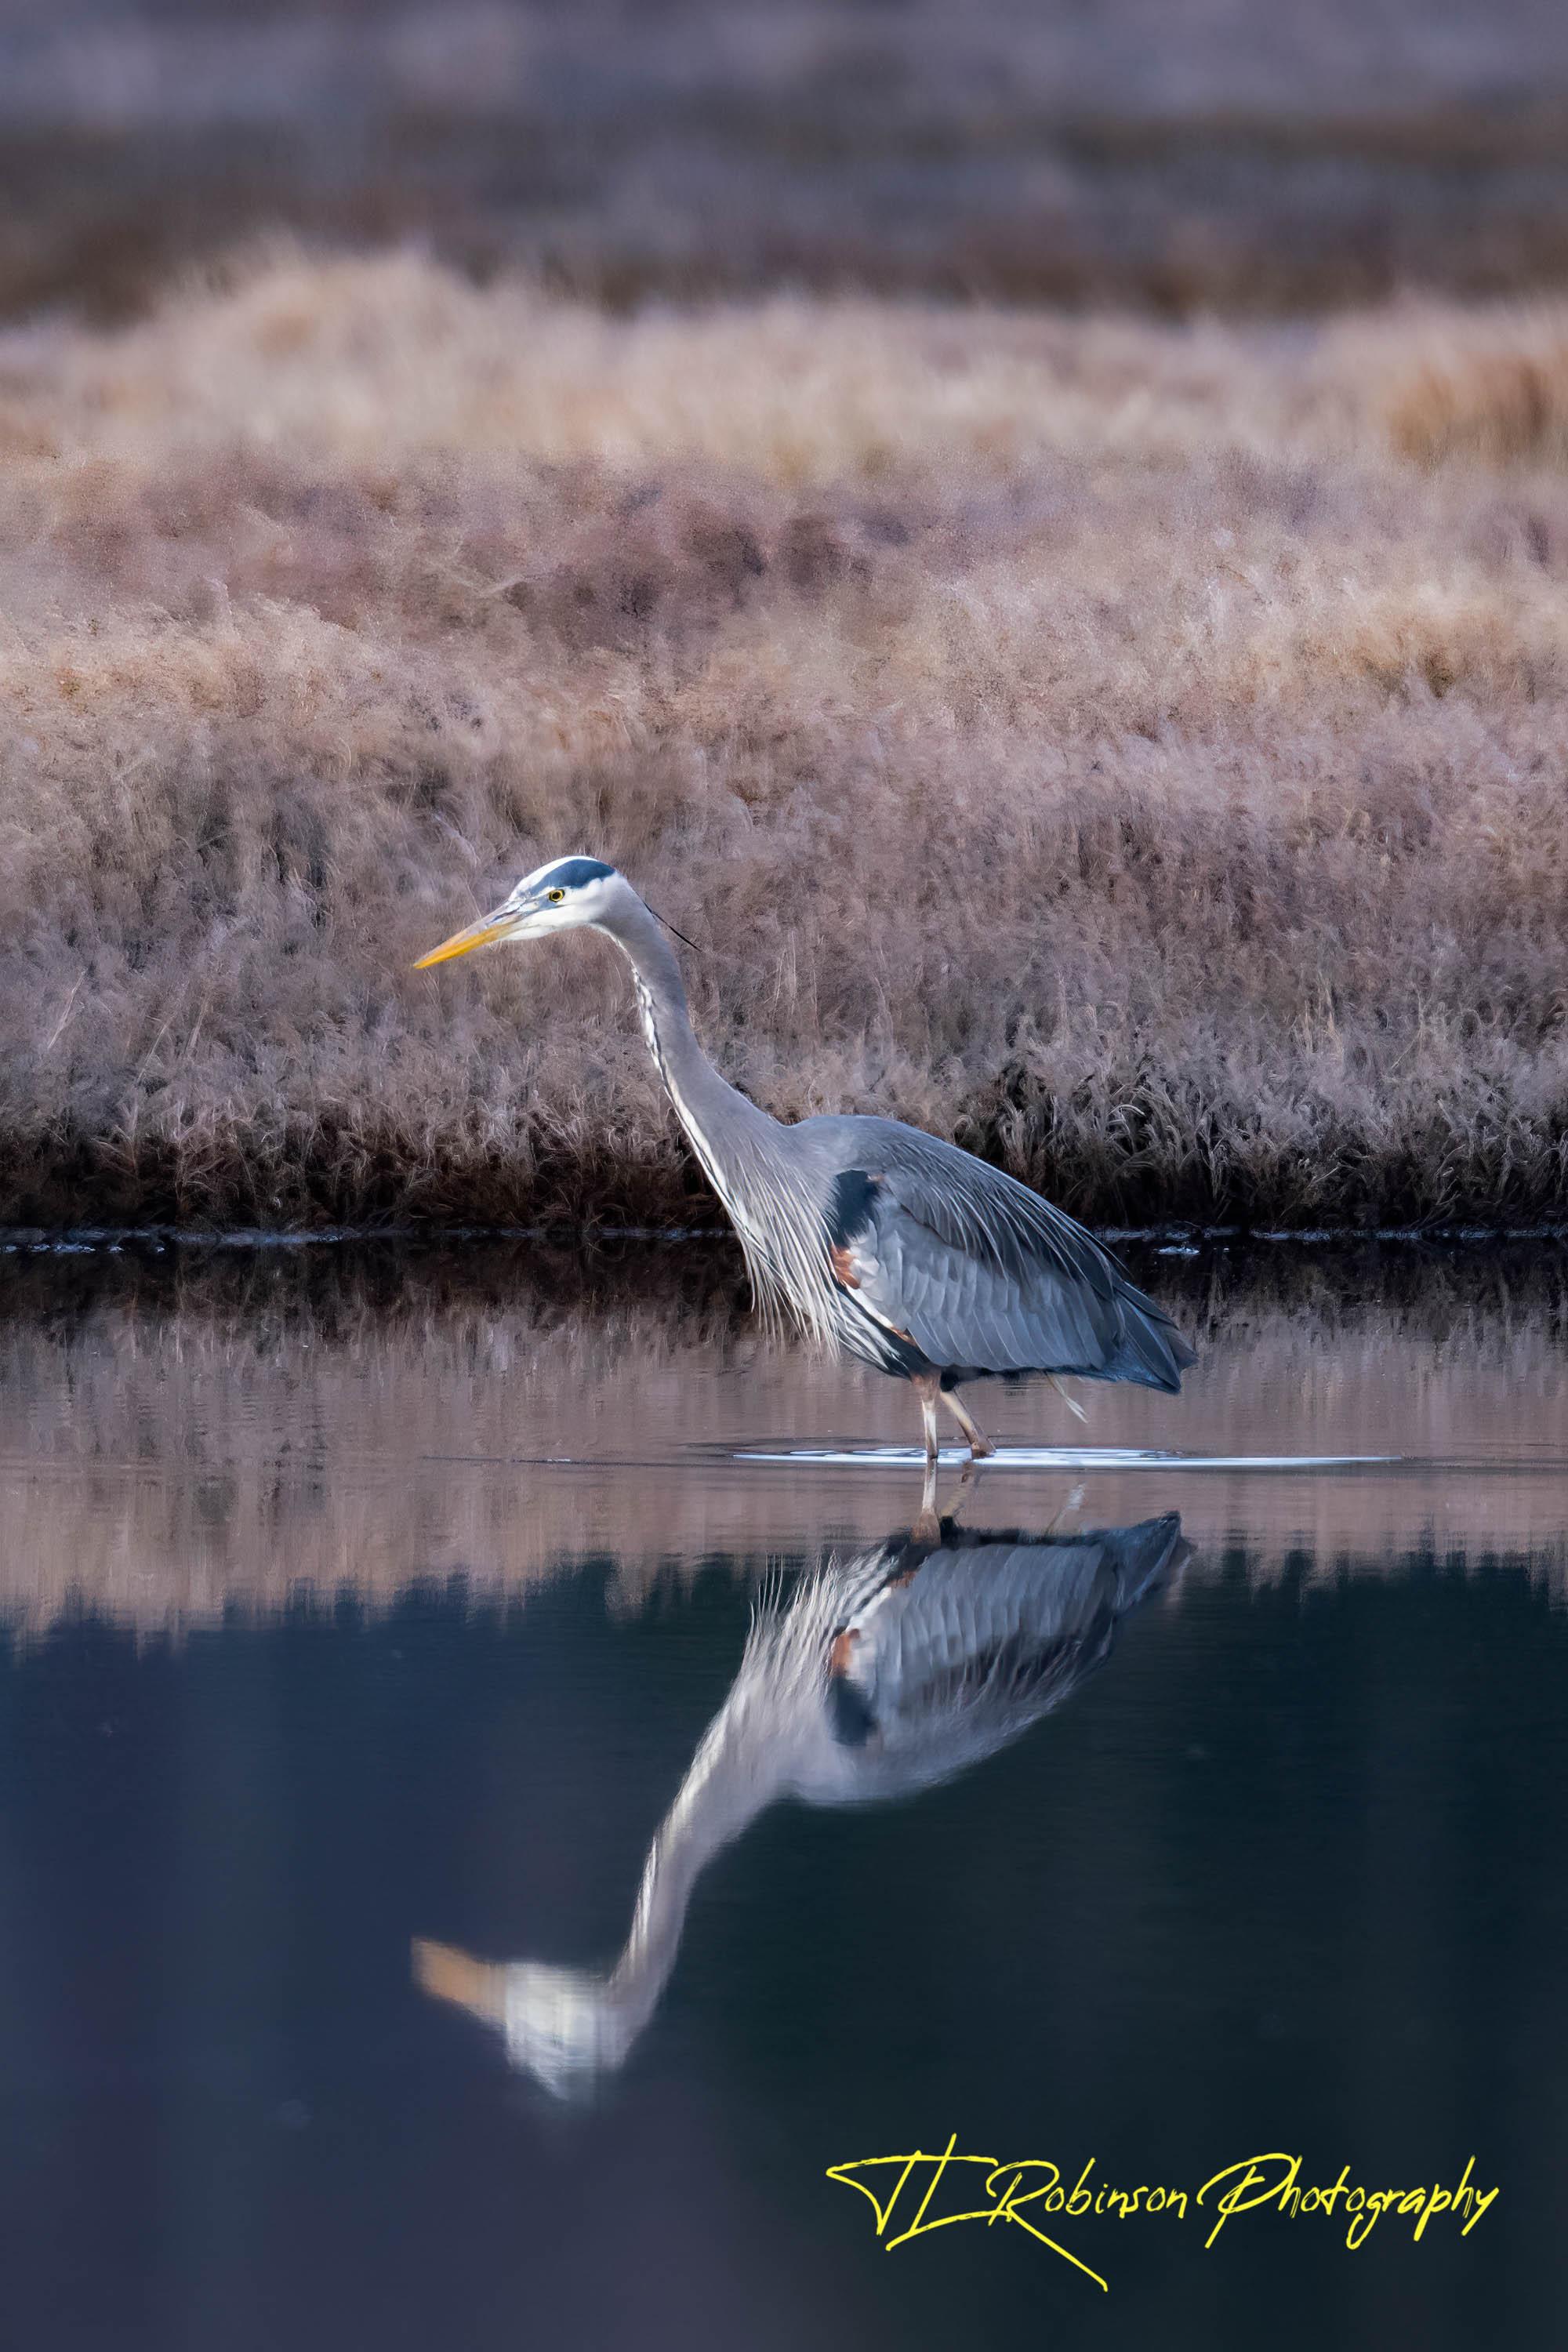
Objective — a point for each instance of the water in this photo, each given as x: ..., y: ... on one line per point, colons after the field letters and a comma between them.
x: 364, y: 1631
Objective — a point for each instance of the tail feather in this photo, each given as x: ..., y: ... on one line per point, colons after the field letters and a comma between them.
x: 1148, y: 1557
x: 1151, y: 1353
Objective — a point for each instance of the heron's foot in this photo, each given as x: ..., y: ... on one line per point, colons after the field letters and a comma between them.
x: 979, y: 1447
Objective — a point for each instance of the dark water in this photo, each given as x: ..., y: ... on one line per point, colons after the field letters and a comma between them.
x: 1188, y: 1845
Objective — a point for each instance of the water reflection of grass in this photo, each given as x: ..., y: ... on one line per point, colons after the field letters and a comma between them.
x: 1134, y: 750
x: 238, y: 1431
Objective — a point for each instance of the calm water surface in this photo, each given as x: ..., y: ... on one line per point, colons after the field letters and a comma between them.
x: 495, y: 1801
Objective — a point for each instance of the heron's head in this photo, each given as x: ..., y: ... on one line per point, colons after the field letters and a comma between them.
x: 560, y: 897
x: 565, y: 2027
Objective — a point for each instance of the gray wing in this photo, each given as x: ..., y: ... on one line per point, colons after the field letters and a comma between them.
x: 958, y: 1654
x: 979, y: 1272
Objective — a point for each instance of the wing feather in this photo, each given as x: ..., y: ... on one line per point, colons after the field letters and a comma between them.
x: 982, y: 1274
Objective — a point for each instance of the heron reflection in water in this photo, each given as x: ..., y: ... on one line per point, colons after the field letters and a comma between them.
x: 884, y: 1672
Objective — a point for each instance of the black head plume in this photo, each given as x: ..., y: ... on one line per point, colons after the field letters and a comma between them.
x: 671, y: 927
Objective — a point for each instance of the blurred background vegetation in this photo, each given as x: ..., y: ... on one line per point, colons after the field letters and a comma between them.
x: 1169, y: 153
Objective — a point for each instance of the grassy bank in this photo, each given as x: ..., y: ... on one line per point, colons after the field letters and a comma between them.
x: 1137, y: 751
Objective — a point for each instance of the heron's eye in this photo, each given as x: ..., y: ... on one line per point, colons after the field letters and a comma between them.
x: 555, y: 897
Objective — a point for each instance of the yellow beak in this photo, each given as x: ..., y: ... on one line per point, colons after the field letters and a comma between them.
x: 464, y: 942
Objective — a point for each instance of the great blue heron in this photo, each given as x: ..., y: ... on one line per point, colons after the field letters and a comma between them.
x: 877, y: 1241
x: 887, y: 1672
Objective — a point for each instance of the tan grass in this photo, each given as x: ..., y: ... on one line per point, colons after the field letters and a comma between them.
x: 1492, y: 388
x: 1096, y: 740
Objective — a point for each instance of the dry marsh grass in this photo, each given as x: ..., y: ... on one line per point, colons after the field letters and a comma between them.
x: 1136, y: 751
x: 1497, y: 394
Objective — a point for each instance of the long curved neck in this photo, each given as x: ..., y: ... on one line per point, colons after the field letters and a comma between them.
x: 731, y: 1778
x: 752, y: 1162
x: 713, y: 1113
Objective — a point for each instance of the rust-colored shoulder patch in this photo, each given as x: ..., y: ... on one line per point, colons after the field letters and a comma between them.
x: 843, y: 1266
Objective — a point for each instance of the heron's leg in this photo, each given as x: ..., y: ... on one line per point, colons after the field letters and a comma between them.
x: 980, y: 1445
x: 1066, y: 1511
x: 969, y: 1477
x: 927, y: 1388
x: 927, y: 1527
